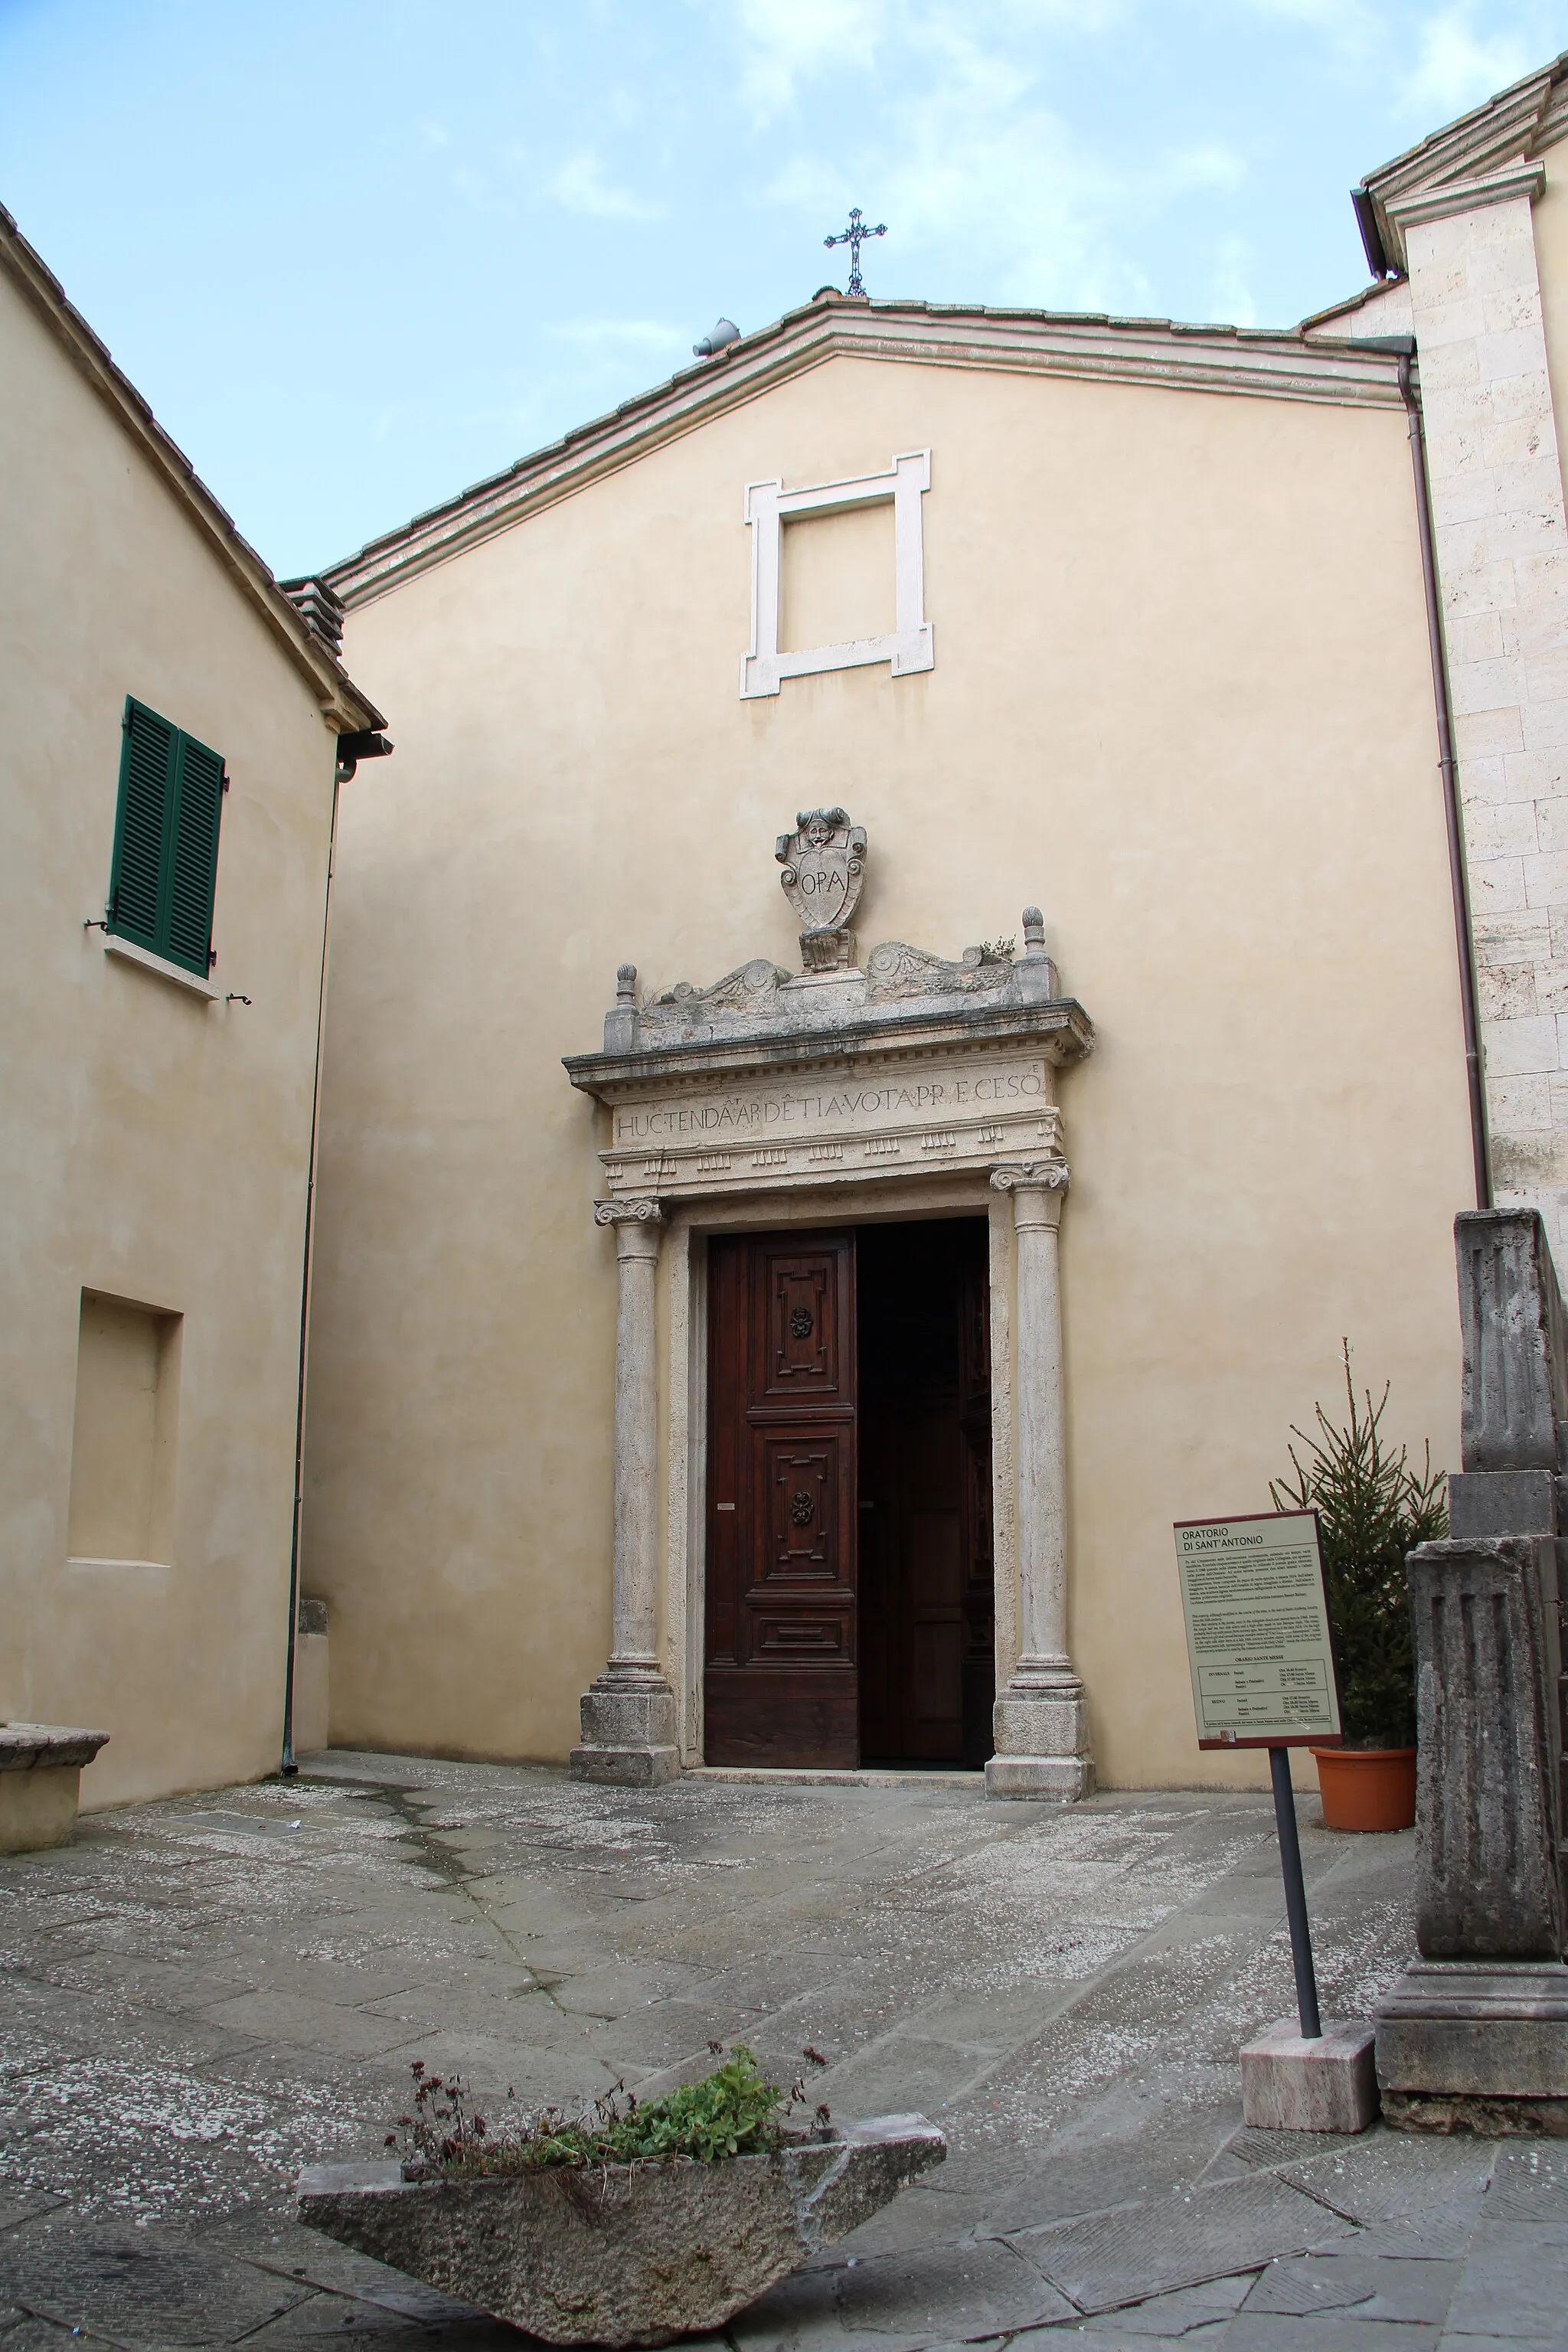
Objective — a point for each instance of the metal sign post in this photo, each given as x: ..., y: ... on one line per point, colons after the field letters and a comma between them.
x: 1263, y: 1671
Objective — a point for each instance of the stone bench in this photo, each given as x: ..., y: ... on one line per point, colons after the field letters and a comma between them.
x: 40, y: 1779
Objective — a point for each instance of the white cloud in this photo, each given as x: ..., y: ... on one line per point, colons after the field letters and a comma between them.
x: 581, y: 186
x: 595, y: 334
x: 1455, y: 70
x: 785, y: 42
x: 1230, y: 287
x: 967, y: 160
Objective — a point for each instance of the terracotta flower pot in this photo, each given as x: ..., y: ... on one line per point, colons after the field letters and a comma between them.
x: 1367, y: 1787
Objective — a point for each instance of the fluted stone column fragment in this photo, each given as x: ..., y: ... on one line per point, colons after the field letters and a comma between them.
x: 1039, y: 1724
x: 1474, y: 2036
x: 629, y: 1715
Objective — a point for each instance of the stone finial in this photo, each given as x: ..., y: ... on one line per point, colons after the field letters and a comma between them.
x: 823, y: 862
x: 1034, y: 931
x: 623, y: 1028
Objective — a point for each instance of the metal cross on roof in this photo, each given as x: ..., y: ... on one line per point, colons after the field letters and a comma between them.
x: 852, y: 237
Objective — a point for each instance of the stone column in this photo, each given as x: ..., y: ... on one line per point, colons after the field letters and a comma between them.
x: 1038, y: 1723
x: 628, y: 1716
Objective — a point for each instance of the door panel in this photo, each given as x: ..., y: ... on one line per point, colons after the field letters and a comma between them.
x: 780, y: 1682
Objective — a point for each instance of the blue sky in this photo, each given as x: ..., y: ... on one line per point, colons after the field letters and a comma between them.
x: 360, y: 253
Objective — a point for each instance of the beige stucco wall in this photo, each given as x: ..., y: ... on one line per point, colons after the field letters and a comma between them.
x: 1181, y: 699
x: 154, y: 1145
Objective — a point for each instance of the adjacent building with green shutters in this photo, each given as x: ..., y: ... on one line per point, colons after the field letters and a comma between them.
x: 171, y: 728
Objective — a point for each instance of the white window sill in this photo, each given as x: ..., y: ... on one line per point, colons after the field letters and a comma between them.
x: 129, y: 952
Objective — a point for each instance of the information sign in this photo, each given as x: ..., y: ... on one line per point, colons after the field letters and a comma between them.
x: 1258, y: 1630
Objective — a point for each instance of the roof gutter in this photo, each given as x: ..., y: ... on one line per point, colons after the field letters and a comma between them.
x: 1377, y: 260
x: 287, y: 1765
x: 1404, y: 347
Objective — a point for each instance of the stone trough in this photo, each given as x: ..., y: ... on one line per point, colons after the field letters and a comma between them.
x: 628, y: 2254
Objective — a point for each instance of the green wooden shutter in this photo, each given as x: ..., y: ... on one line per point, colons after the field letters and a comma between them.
x: 142, y: 823
x: 165, y: 869
x: 192, y: 865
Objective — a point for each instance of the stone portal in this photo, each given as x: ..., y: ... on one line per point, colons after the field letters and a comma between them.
x: 842, y: 1096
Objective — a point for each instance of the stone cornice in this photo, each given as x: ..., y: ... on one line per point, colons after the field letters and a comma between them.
x: 1152, y: 351
x: 1060, y: 1029
x: 343, y: 707
x: 1525, y: 179
x: 1517, y: 124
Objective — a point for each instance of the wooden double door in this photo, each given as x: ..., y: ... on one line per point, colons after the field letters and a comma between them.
x: 849, y: 1557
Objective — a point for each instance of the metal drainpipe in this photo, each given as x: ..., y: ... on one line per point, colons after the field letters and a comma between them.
x: 1405, y: 346
x: 286, y: 1766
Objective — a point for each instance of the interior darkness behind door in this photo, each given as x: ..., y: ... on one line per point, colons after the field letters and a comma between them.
x: 926, y: 1607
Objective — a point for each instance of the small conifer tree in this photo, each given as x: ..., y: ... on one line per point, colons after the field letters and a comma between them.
x: 1373, y: 1508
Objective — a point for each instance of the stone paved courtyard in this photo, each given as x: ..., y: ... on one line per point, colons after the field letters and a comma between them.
x: 198, y: 1996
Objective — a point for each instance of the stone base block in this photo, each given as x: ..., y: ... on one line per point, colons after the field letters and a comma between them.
x: 1041, y: 1739
x: 1326, y: 2085
x: 37, y: 1809
x: 1485, y: 2031
x: 313, y: 1679
x: 41, y: 1779
x: 1476, y: 2118
x: 626, y: 1768
x: 628, y: 1731
x: 1062, y: 1779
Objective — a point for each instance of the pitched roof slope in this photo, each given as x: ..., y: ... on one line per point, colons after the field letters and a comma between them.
x: 1516, y: 125
x: 343, y: 705
x: 1278, y: 365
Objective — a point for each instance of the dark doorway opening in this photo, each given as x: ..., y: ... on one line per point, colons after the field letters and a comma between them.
x: 849, y: 1612
x: 925, y: 1594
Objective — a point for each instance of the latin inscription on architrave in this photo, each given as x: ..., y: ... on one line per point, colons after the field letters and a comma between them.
x: 966, y: 1112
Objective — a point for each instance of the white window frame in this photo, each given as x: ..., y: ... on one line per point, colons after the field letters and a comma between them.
x: 768, y: 506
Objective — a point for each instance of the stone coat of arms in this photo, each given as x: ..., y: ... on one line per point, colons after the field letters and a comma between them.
x: 823, y: 873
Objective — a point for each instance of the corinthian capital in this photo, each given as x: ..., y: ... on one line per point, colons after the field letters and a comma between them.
x: 1031, y: 1176
x: 628, y: 1213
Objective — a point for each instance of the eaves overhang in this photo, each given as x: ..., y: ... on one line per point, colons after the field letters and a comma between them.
x: 1160, y: 353
x: 344, y: 709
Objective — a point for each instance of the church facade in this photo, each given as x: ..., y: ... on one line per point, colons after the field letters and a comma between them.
x: 777, y: 1327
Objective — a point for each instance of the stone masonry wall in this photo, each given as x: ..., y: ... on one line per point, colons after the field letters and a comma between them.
x: 1502, y: 555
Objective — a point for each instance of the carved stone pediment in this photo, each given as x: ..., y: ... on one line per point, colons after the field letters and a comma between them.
x: 896, y: 972
x: 752, y: 989
x: 760, y: 998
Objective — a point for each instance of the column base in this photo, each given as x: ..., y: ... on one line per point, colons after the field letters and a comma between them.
x: 628, y: 1731
x: 1459, y: 2039
x: 1061, y: 1778
x: 1041, y: 1736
